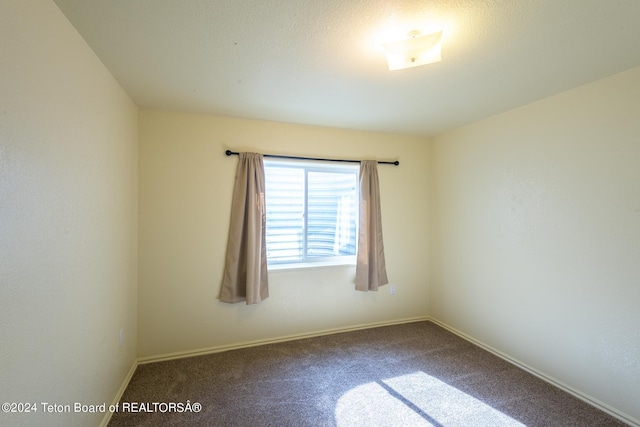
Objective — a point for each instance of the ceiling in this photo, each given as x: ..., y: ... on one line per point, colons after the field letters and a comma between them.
x: 319, y: 62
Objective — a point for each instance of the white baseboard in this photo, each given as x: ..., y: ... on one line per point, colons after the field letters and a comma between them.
x: 116, y: 399
x: 221, y: 348
x: 553, y: 381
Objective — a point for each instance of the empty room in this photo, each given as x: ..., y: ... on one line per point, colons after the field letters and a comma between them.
x: 320, y: 213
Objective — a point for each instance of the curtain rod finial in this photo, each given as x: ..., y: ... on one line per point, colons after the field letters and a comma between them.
x: 228, y: 152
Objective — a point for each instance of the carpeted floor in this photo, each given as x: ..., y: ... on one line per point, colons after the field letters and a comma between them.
x: 415, y: 374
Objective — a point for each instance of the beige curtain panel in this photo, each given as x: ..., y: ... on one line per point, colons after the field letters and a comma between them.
x: 371, y: 271
x: 245, y: 271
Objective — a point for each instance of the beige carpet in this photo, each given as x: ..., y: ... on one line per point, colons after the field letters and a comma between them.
x: 416, y: 374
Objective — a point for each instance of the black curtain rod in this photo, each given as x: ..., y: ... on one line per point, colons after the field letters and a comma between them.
x: 233, y: 153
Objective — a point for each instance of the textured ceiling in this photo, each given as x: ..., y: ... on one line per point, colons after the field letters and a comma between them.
x: 319, y: 62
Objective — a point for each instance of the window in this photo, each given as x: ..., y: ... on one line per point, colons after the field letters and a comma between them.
x: 312, y: 212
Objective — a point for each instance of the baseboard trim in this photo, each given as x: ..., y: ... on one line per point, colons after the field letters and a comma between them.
x: 553, y: 381
x: 116, y: 399
x: 236, y: 346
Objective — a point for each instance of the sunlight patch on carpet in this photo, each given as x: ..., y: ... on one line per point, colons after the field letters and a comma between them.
x: 415, y: 399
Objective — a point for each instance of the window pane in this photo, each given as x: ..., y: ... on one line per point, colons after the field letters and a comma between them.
x: 332, y: 214
x: 285, y: 210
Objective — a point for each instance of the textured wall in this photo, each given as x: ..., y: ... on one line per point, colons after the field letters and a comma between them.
x: 186, y: 183
x: 68, y: 219
x: 537, y: 250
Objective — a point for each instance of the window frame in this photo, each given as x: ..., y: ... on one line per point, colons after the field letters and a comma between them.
x: 315, y: 166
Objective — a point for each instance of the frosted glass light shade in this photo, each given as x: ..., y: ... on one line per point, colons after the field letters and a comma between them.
x: 415, y: 50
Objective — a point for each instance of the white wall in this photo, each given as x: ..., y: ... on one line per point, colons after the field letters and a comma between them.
x: 68, y: 219
x: 537, y: 246
x: 186, y: 183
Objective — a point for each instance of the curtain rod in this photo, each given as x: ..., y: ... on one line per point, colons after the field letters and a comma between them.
x: 233, y: 153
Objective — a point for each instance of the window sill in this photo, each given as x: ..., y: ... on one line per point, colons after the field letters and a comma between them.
x: 309, y: 265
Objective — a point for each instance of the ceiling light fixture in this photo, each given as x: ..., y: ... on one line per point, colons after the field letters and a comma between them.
x: 416, y: 49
